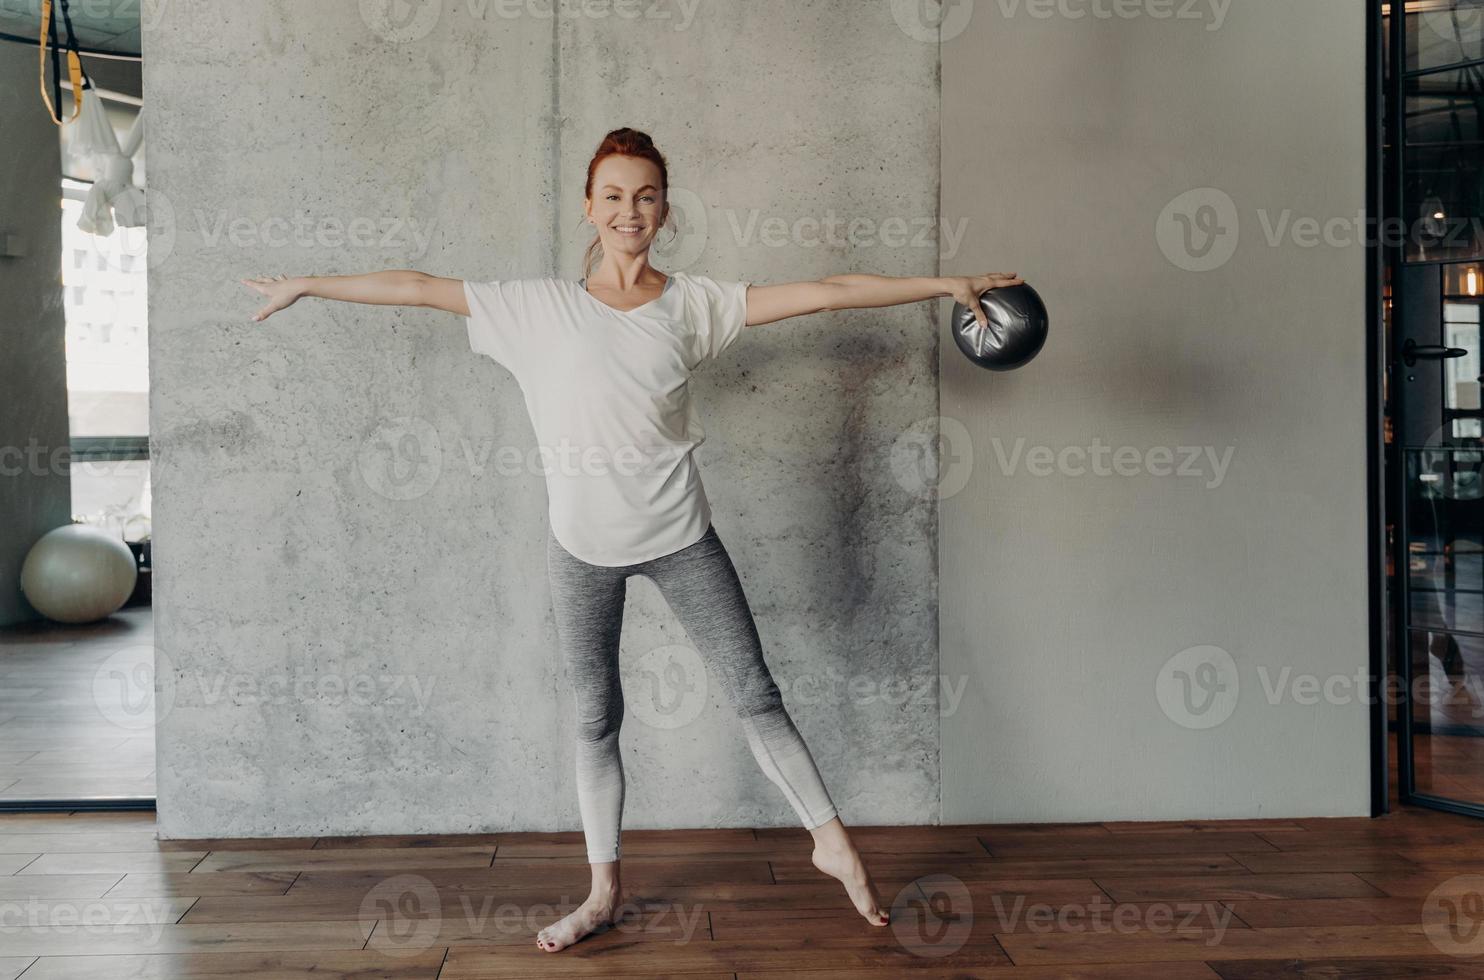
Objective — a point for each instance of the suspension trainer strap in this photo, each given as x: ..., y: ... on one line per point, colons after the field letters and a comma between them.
x: 74, y: 63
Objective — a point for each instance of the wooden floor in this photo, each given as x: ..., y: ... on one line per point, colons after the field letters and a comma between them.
x: 76, y: 709
x: 97, y: 897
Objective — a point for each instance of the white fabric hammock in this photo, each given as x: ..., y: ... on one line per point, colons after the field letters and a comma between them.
x: 113, y: 198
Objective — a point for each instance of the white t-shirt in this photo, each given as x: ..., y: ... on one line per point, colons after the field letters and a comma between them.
x: 607, y: 395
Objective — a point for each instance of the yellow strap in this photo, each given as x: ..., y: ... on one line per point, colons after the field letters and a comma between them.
x: 74, y: 71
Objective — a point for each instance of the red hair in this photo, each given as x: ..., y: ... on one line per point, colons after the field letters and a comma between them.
x: 630, y: 143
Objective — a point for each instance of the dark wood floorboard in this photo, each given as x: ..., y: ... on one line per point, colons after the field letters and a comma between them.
x: 89, y: 896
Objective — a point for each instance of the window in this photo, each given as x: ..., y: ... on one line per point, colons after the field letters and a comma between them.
x: 107, y: 350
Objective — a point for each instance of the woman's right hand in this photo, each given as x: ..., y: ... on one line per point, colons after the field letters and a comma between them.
x: 280, y: 290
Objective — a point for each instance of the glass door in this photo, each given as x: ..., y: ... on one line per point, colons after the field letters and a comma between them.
x: 1434, y: 93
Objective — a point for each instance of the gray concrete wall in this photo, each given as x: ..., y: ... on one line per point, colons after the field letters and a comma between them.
x: 1124, y: 638
x: 35, y: 490
x: 329, y: 502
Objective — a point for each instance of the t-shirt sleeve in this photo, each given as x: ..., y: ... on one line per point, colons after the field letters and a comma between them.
x: 726, y: 314
x: 496, y: 321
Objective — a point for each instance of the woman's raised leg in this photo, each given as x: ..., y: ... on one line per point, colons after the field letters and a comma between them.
x: 700, y: 584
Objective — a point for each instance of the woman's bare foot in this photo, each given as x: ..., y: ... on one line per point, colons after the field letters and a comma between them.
x: 843, y: 861
x: 600, y: 908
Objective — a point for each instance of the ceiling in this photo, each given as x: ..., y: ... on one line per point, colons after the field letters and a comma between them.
x: 112, y: 27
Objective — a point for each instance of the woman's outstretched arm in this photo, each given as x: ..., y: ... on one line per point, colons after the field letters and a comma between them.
x: 391, y: 287
x: 854, y: 291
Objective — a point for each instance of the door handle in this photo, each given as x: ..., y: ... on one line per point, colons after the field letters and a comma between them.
x: 1412, y: 350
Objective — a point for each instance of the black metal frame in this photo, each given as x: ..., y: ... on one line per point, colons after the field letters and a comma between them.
x: 1375, y: 425
x: 1393, y: 196
x: 58, y: 806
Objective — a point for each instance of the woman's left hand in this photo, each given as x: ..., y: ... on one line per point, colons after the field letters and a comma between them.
x: 968, y: 289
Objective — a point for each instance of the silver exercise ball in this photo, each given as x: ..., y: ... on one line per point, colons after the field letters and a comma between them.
x: 1016, y: 332
x: 78, y: 573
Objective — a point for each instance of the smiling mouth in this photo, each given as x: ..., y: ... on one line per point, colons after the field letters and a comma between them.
x: 629, y: 229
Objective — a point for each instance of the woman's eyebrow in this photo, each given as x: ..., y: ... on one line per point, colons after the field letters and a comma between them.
x: 615, y: 187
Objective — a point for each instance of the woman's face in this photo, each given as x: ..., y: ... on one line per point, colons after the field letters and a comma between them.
x: 627, y: 206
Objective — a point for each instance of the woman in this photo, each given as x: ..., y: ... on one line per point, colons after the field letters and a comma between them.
x: 603, y: 364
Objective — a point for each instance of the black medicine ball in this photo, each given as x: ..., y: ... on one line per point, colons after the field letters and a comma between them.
x: 1016, y: 332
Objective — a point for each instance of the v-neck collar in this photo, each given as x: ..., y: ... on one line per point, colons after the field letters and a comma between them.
x: 664, y: 291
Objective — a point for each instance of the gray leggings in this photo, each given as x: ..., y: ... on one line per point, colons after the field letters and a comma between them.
x: 701, y: 587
